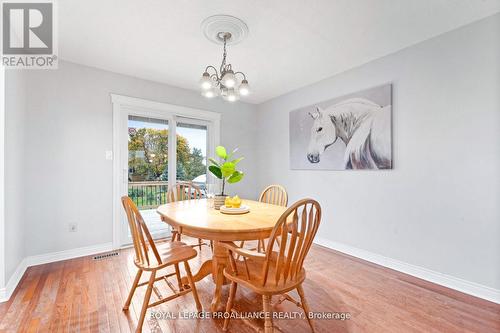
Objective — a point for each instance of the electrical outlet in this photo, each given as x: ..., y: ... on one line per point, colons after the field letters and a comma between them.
x: 73, y: 227
x: 109, y: 155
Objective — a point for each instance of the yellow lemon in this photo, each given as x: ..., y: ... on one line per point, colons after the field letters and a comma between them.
x: 228, y: 202
x: 236, y: 202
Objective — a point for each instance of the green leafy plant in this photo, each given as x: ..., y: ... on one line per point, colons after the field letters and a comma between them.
x: 225, y: 169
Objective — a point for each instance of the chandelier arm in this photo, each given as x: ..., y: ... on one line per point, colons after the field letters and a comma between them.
x: 212, y: 67
x: 216, y: 74
x: 215, y: 78
x: 244, y: 76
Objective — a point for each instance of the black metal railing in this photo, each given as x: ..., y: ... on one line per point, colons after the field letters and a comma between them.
x: 148, y: 195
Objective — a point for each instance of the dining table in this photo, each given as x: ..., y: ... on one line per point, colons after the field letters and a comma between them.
x: 199, y: 219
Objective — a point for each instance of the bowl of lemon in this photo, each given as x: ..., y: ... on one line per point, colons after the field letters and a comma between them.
x: 234, y: 205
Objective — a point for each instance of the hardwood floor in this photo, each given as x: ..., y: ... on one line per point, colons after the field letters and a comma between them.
x: 83, y: 295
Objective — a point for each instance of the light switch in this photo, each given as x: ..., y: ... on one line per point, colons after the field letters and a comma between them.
x: 109, y: 155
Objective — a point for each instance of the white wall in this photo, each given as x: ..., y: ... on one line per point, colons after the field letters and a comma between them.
x: 68, y: 129
x: 440, y: 206
x: 15, y: 159
x: 2, y: 182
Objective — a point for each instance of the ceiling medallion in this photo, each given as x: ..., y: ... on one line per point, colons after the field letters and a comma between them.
x: 225, y: 30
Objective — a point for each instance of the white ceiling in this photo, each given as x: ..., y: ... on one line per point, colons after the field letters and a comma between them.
x: 292, y: 43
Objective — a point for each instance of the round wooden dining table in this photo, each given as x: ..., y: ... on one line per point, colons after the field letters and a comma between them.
x: 198, y: 219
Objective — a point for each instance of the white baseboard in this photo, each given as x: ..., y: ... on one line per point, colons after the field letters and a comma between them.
x: 6, y: 293
x: 14, y: 280
x: 68, y: 254
x: 448, y: 281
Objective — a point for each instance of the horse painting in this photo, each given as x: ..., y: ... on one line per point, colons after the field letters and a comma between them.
x: 364, y: 127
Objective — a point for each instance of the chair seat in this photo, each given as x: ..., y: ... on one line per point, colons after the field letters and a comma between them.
x: 168, y: 245
x: 171, y: 253
x: 254, y: 278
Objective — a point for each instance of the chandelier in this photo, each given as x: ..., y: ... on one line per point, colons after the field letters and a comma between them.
x: 224, y: 81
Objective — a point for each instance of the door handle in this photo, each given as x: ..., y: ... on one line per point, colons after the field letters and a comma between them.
x: 125, y: 175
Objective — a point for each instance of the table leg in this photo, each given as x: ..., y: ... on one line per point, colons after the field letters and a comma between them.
x: 205, y: 269
x: 214, y: 266
x: 219, y: 262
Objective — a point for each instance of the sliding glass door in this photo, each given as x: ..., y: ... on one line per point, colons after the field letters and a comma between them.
x: 156, y: 145
x: 158, y: 150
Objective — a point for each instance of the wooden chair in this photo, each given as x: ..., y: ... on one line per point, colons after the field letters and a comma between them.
x: 274, y: 195
x: 151, y: 259
x: 276, y: 272
x: 184, y: 191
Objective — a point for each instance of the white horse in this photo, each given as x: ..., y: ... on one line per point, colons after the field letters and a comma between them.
x: 365, y: 128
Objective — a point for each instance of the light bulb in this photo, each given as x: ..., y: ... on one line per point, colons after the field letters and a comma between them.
x: 206, y: 82
x: 231, y: 95
x: 228, y: 79
x: 210, y: 93
x: 244, y: 89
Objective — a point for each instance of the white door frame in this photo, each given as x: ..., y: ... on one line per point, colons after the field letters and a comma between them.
x: 123, y: 106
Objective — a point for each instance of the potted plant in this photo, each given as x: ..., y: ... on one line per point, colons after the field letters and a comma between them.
x: 225, y: 169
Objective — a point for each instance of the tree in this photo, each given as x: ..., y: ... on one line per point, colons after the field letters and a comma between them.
x: 183, y: 150
x: 195, y: 167
x: 148, y: 153
x: 148, y: 156
x: 181, y: 172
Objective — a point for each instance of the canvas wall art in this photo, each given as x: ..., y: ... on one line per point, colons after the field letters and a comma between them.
x: 348, y: 132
